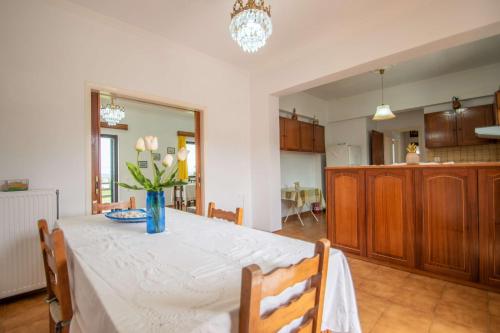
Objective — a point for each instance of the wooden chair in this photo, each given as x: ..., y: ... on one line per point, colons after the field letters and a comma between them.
x: 236, y: 217
x: 255, y: 286
x: 56, y: 273
x: 98, y: 208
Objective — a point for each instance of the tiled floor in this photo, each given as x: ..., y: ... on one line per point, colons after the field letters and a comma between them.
x: 388, y: 300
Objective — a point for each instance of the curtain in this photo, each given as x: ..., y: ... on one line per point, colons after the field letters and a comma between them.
x: 183, y: 168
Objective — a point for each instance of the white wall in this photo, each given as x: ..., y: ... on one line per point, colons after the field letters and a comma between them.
x: 52, y: 49
x: 143, y: 120
x: 353, y: 132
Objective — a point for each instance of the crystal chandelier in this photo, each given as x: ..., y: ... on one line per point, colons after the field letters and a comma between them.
x: 112, y: 113
x: 383, y: 110
x: 251, y: 24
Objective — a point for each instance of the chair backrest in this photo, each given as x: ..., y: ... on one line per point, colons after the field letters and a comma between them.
x: 98, y: 208
x: 56, y: 268
x: 255, y: 286
x: 236, y: 217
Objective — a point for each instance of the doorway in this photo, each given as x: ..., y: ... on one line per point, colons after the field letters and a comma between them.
x: 113, y: 144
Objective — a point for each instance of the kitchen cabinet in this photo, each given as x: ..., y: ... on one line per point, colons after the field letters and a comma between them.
x: 489, y: 225
x: 346, y: 210
x: 456, y: 128
x: 306, y: 136
x: 282, y: 133
x: 390, y: 215
x: 301, y: 136
x: 497, y: 108
x: 447, y: 220
x: 319, y: 139
x: 440, y: 129
x: 292, y: 134
x: 468, y: 119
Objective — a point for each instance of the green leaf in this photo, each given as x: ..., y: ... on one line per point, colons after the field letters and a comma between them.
x: 138, y: 176
x: 130, y: 187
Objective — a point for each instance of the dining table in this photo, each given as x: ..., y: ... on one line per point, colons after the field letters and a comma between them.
x: 186, y: 279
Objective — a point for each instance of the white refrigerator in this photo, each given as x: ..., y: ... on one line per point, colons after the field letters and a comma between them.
x: 343, y: 154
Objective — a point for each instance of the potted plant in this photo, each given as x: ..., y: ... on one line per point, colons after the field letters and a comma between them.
x: 412, y: 156
x: 163, y: 177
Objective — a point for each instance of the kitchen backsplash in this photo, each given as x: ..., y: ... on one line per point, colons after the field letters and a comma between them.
x: 480, y: 153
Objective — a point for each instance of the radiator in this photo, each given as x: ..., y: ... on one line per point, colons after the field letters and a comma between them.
x: 21, y: 265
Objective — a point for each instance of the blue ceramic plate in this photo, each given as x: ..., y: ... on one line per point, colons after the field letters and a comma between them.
x: 117, y: 216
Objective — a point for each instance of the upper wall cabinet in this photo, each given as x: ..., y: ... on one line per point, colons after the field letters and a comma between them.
x: 450, y: 128
x: 301, y: 136
x: 497, y: 106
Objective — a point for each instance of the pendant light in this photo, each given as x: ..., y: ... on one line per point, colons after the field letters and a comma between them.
x: 383, y: 110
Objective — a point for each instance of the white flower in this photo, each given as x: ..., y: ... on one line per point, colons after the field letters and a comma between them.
x: 182, y: 154
x: 168, y: 160
x: 140, y: 145
x: 151, y: 142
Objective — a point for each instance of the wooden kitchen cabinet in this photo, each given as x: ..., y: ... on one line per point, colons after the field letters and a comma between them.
x: 282, y: 133
x: 447, y: 221
x: 292, y: 134
x: 440, y: 129
x: 346, y: 210
x: 306, y: 137
x: 319, y: 139
x: 468, y: 119
x: 390, y: 215
x: 489, y: 225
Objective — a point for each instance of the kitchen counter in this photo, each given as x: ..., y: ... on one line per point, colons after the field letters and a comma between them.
x: 421, y: 165
x: 437, y: 218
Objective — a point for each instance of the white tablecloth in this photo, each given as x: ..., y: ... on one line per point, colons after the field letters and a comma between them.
x: 185, y: 280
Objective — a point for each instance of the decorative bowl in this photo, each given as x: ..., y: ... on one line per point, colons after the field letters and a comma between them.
x: 127, y: 216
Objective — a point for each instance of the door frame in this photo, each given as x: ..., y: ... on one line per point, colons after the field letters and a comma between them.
x: 92, y: 129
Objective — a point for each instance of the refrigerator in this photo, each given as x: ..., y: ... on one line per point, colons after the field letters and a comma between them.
x: 343, y: 154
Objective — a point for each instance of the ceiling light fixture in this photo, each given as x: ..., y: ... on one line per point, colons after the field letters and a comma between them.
x: 112, y: 113
x: 251, y: 24
x: 383, y: 110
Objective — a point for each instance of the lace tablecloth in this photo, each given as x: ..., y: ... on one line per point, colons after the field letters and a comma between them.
x: 185, y: 280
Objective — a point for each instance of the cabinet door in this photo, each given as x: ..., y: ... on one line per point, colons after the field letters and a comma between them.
x: 282, y: 133
x: 319, y: 139
x: 306, y: 137
x: 448, y: 221
x: 346, y: 227
x: 489, y: 225
x: 292, y: 134
x: 497, y: 108
x: 440, y: 129
x: 469, y: 119
x: 390, y: 215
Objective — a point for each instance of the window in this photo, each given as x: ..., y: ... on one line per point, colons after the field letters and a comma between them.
x: 191, y: 159
x: 109, y: 168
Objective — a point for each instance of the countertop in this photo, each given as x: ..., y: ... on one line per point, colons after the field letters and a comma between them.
x: 421, y: 165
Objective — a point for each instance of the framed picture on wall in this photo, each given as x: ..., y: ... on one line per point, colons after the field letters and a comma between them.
x: 170, y: 150
x: 156, y: 156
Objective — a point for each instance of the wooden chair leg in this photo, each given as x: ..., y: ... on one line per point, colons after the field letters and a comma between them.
x: 52, y: 324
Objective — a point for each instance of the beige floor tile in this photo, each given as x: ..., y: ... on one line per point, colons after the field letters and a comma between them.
x: 400, y: 319
x: 389, y: 276
x: 423, y: 301
x: 494, y: 296
x: 472, y: 298
x: 379, y: 289
x: 419, y: 283
x: 462, y: 315
x: 440, y: 326
x: 370, y: 309
x: 494, y: 307
x: 361, y: 269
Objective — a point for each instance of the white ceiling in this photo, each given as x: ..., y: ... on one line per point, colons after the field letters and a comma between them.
x: 204, y: 24
x: 476, y: 54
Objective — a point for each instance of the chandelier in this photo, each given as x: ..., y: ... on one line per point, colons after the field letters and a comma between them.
x: 383, y: 110
x: 251, y: 24
x: 112, y: 113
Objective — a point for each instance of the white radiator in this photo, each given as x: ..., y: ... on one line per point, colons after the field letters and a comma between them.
x: 21, y: 265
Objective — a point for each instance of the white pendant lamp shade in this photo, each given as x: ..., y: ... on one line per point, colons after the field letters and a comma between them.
x: 383, y: 110
x: 383, y: 113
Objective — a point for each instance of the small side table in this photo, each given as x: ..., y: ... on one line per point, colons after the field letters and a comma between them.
x: 297, y: 198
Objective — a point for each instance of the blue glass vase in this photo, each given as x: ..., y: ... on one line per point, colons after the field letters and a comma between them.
x: 155, y: 212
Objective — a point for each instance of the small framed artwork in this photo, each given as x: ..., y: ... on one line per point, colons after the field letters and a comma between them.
x: 156, y: 157
x: 170, y: 150
x: 143, y: 164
